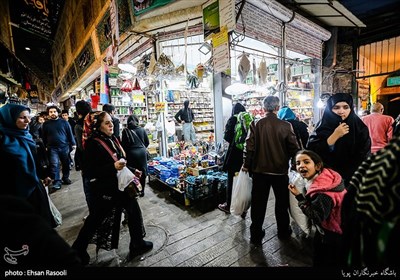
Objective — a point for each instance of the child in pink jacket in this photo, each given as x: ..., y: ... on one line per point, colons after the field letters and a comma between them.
x: 322, y: 203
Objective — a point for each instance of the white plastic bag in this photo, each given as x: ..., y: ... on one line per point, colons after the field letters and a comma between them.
x: 56, y: 214
x: 241, y: 193
x: 125, y: 177
x: 298, y: 216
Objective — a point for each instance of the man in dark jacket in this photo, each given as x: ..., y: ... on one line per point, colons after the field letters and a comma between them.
x: 269, y: 147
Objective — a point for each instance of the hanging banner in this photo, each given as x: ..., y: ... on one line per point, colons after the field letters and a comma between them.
x: 37, y: 16
x: 104, y: 86
x: 112, y: 50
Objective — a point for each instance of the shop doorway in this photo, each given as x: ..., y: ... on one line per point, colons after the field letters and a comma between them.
x: 391, y: 102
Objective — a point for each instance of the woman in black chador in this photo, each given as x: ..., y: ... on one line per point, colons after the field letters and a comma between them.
x: 341, y: 138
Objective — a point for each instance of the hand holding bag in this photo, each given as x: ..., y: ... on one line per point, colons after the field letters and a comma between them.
x: 241, y: 193
x: 127, y: 181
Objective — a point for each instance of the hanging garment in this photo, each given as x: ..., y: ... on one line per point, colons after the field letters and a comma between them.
x: 244, y: 67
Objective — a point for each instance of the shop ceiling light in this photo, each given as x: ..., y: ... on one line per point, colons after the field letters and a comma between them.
x: 127, y: 67
x: 205, y: 48
x: 237, y: 88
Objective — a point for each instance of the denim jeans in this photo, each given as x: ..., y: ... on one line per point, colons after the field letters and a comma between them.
x: 188, y: 132
x: 57, y: 155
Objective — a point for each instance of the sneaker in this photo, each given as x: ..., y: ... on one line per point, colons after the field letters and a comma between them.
x: 67, y: 181
x: 140, y: 249
x: 57, y: 186
x: 224, y: 207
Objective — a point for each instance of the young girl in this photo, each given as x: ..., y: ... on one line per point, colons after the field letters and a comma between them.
x: 322, y: 203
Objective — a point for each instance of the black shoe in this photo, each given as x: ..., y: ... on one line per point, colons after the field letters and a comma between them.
x: 140, y: 249
x: 285, y: 234
x: 67, y: 181
x: 82, y: 254
x: 244, y: 214
x: 257, y: 240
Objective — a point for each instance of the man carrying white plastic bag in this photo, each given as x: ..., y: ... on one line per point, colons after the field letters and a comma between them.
x: 241, y: 193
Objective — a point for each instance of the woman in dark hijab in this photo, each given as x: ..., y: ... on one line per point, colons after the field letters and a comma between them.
x: 234, y: 156
x: 135, y: 142
x: 341, y: 138
x: 19, y: 160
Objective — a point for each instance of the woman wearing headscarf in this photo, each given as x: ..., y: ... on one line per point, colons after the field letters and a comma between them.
x: 19, y: 157
x: 341, y: 138
x: 234, y: 156
x: 299, y: 127
x: 104, y: 157
x: 135, y: 142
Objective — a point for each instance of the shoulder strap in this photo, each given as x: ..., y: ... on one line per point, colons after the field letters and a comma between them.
x: 107, y: 148
x: 140, y: 139
x: 129, y: 135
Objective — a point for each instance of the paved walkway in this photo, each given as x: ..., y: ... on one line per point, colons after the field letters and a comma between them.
x: 184, y: 236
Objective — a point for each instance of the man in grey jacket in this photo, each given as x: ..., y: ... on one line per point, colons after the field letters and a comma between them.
x: 270, y: 145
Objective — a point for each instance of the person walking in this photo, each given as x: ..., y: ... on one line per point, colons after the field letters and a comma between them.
x: 104, y: 157
x: 299, y: 127
x: 322, y: 204
x: 83, y: 108
x: 20, y: 162
x: 234, y: 156
x: 110, y: 109
x: 185, y: 116
x: 58, y: 138
x: 135, y: 142
x: 341, y: 138
x: 269, y: 147
x: 380, y: 127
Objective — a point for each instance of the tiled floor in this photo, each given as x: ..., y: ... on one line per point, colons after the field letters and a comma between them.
x: 184, y: 236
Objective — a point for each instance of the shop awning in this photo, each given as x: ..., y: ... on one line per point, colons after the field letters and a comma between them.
x: 8, y: 80
x: 330, y: 12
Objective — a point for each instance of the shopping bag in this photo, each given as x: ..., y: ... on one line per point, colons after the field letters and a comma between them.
x: 56, y: 214
x: 295, y: 212
x: 128, y: 182
x: 241, y: 193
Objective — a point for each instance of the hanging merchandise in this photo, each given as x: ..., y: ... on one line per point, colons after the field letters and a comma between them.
x: 192, y: 81
x: 254, y: 71
x: 136, y: 85
x: 244, y: 67
x: 199, y: 71
x: 152, y: 64
x: 164, y: 66
x: 262, y: 72
x: 127, y: 86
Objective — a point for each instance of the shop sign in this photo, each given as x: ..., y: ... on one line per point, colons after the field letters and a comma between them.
x: 221, y: 61
x: 104, y: 32
x: 216, y: 15
x: 33, y: 94
x: 143, y: 6
x: 159, y: 106
x: 211, y: 20
x: 393, y: 81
